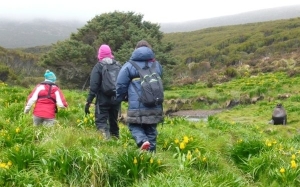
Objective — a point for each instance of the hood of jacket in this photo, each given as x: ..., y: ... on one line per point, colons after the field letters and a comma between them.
x: 142, y: 54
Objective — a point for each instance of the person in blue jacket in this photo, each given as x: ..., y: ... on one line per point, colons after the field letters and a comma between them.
x: 142, y: 121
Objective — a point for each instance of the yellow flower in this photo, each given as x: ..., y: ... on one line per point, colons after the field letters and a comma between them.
x: 151, y: 160
x: 293, y: 164
x: 189, y: 155
x: 17, y: 130
x: 135, y: 160
x: 182, y: 145
x: 282, y: 170
x: 269, y: 144
x: 185, y: 139
x: 176, y: 141
x: 293, y: 156
x: 78, y: 120
x: 9, y: 163
x: 17, y: 148
x: 2, y: 165
x: 204, y: 159
x: 159, y: 162
x: 197, y: 150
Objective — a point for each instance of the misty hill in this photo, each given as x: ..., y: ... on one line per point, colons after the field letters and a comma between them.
x: 16, y: 34
x: 248, y: 17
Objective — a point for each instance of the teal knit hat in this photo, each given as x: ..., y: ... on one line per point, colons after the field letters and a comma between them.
x: 50, y: 76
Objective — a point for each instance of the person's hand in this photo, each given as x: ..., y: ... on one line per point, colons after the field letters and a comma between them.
x: 87, y: 108
x: 26, y: 111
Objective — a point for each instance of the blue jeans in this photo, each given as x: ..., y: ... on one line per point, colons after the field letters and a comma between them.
x: 144, y: 132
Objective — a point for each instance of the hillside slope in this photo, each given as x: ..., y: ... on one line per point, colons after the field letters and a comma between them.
x: 248, y: 17
x: 16, y: 34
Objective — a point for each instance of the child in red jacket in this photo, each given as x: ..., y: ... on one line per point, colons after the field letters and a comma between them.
x: 47, y: 97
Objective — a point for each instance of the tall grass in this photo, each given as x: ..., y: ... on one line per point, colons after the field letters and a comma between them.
x: 236, y: 147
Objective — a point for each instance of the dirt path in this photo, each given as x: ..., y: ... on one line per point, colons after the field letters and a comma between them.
x: 195, y: 113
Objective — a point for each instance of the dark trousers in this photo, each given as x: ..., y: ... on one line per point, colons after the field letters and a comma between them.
x: 144, y: 132
x: 106, y: 119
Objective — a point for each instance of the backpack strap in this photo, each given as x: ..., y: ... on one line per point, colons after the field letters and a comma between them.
x: 139, y: 70
x: 48, y: 96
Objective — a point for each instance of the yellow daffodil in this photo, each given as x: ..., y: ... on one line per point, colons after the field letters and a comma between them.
x: 182, y: 145
x: 282, y: 170
x: 185, y: 139
x: 293, y: 164
x: 159, y: 162
x: 176, y: 141
x: 269, y: 144
x: 135, y: 160
x: 293, y: 156
x: 17, y: 148
x: 17, y: 130
x: 151, y: 160
x: 2, y: 165
x: 189, y: 155
x: 9, y: 163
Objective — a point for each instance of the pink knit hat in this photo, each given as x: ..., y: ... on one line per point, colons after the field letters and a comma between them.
x: 104, y: 51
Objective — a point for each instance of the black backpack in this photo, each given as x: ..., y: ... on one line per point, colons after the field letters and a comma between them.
x: 109, y: 77
x: 151, y: 85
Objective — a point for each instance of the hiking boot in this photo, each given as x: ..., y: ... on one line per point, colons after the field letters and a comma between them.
x: 105, y: 134
x: 145, y: 146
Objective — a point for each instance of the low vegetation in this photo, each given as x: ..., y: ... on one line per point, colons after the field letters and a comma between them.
x: 236, y: 147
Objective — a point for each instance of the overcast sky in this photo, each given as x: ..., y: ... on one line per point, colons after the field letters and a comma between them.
x: 156, y: 11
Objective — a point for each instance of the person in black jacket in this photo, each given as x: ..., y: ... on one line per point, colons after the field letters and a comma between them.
x: 106, y: 107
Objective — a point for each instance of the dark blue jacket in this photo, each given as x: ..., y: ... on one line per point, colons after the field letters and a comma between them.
x: 128, y: 75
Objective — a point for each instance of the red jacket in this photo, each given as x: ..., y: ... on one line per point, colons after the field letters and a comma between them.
x: 45, y: 107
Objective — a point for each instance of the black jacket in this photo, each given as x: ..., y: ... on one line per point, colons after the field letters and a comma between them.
x: 95, y: 85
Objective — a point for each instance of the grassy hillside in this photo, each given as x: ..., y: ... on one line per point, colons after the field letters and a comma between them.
x: 236, y: 147
x: 229, y: 51
x: 211, y: 55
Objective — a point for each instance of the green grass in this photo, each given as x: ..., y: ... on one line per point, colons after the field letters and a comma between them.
x: 236, y: 147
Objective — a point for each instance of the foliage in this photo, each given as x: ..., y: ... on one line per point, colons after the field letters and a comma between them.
x: 73, y: 59
x: 233, y: 148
